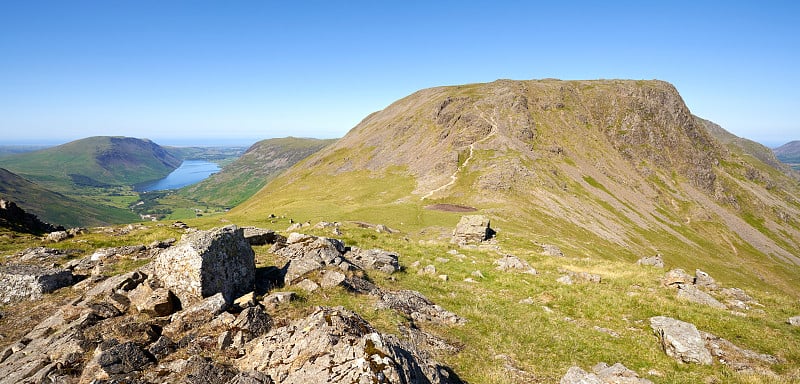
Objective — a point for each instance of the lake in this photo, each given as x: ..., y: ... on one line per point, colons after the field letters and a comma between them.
x: 190, y: 172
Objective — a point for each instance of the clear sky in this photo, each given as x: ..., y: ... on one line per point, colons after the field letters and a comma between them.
x: 188, y: 72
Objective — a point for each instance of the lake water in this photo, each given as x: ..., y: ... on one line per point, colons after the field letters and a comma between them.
x: 190, y: 172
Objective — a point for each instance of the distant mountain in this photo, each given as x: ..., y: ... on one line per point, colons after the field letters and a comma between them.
x: 57, y: 208
x: 100, y: 161
x: 789, y: 153
x: 744, y: 146
x: 263, y: 161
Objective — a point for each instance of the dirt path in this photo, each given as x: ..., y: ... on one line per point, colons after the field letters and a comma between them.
x: 454, y: 176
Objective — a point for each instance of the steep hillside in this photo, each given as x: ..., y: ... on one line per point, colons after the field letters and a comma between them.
x: 258, y: 165
x: 580, y: 179
x: 789, y: 153
x: 94, y: 162
x: 744, y: 146
x: 56, y: 208
x: 612, y: 169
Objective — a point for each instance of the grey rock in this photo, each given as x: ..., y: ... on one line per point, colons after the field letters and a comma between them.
x: 374, y: 259
x: 472, y: 229
x: 576, y: 375
x: 681, y: 340
x: 105, y: 253
x: 250, y: 377
x: 57, y: 236
x: 566, y: 280
x: 737, y: 294
x: 198, y: 314
x: 201, y: 370
x: 334, y: 345
x: 794, y: 321
x: 513, y: 263
x: 260, y: 236
x: 123, y: 359
x: 275, y: 299
x: 618, y: 374
x: 153, y: 302
x: 418, y: 307
x: 162, y: 347
x: 552, y: 250
x: 740, y: 359
x: 245, y: 301
x: 702, y: 279
x: 307, y: 285
x: 204, y: 263
x: 30, y: 282
x: 331, y: 278
x: 253, y: 322
x: 429, y: 269
x: 695, y: 295
x: 653, y: 261
x: 675, y: 277
x: 310, y: 253
x: 585, y: 277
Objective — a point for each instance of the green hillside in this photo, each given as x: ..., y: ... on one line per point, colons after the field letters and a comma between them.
x: 608, y: 171
x: 789, y: 153
x: 94, y: 162
x: 57, y: 208
x: 242, y: 178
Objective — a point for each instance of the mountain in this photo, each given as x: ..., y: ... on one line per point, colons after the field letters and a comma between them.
x: 789, y: 153
x: 57, y: 208
x: 101, y: 161
x: 261, y: 162
x: 613, y: 169
x: 743, y: 146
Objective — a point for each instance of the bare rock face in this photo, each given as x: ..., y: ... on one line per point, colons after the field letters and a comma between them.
x: 334, y: 345
x: 28, y: 282
x: 205, y: 263
x: 681, y: 340
x: 472, y: 229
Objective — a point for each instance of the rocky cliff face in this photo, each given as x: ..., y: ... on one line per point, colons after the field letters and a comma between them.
x: 16, y: 219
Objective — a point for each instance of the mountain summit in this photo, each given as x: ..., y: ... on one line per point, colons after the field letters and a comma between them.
x: 613, y: 168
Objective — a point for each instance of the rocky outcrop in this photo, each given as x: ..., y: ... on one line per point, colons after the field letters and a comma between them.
x: 374, y: 259
x: 603, y: 374
x: 513, y: 263
x: 416, y: 306
x: 260, y: 236
x: 334, y: 345
x: 310, y: 253
x: 681, y: 340
x: 15, y: 218
x: 653, y: 261
x: 204, y: 263
x: 29, y: 282
x: 693, y: 294
x: 472, y: 229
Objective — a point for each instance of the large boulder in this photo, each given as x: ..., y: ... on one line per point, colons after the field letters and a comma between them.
x: 308, y: 253
x: 204, y: 263
x: 695, y: 295
x: 376, y: 259
x: 261, y: 236
x: 334, y: 345
x: 472, y: 229
x: 418, y: 307
x: 681, y: 340
x: 30, y: 282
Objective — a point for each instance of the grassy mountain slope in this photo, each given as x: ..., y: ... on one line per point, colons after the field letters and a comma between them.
x: 263, y: 161
x: 744, y: 146
x: 789, y: 153
x: 56, y: 208
x: 100, y: 161
x: 609, y: 171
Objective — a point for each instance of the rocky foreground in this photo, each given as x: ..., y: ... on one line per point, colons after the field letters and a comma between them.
x: 199, y: 311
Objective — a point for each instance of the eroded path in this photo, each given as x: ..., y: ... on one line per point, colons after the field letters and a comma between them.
x: 454, y: 176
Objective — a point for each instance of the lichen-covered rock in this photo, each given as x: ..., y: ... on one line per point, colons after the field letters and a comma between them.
x: 702, y: 279
x: 375, y: 259
x: 57, y: 236
x: 681, y: 340
x: 204, y: 263
x: 472, y: 229
x: 418, y: 307
x: 29, y: 282
x: 675, y: 277
x: 153, y: 302
x: 198, y: 314
x: 576, y: 375
x: 334, y: 345
x: 310, y: 253
x: 552, y: 250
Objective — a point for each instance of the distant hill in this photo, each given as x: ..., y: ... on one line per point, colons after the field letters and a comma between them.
x: 789, y: 153
x: 744, y: 146
x: 100, y: 161
x: 57, y: 208
x: 263, y: 161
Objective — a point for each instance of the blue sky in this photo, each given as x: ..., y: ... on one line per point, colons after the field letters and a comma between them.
x: 188, y: 72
